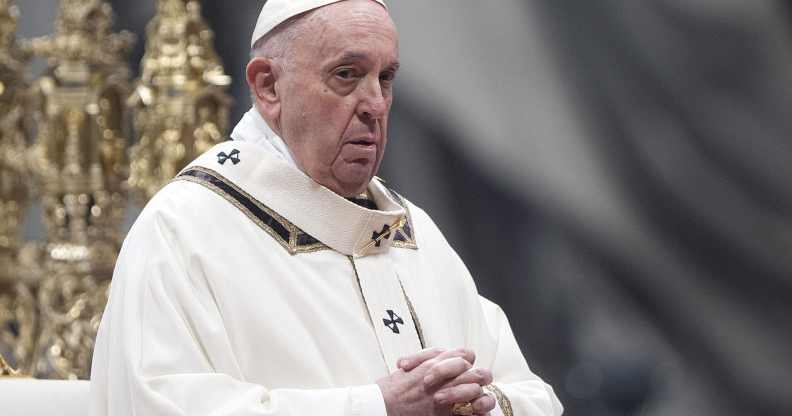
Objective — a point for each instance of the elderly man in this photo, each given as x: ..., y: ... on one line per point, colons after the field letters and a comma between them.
x: 276, y: 276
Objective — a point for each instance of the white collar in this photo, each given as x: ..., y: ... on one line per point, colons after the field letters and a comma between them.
x: 252, y: 128
x: 330, y: 218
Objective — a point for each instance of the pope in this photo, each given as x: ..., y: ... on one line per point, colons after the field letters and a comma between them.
x: 276, y: 275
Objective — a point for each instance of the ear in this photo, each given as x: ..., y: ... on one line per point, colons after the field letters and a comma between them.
x: 262, y: 77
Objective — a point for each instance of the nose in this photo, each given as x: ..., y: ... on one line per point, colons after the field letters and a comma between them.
x: 373, y: 103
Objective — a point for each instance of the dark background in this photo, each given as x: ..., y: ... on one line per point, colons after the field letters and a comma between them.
x: 615, y: 173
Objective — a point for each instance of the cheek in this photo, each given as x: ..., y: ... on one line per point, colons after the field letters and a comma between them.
x: 331, y: 120
x: 321, y: 128
x: 318, y: 119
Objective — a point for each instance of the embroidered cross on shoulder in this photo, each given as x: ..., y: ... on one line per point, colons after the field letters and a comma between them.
x: 393, y: 321
x: 222, y: 157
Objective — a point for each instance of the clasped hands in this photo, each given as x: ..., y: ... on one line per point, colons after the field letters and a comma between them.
x: 430, y: 382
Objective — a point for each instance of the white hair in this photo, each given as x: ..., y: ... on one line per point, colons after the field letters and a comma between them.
x: 277, y: 44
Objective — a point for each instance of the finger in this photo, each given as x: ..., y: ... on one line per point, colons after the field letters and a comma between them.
x: 484, y: 404
x: 474, y: 375
x: 444, y: 371
x: 464, y: 353
x: 409, y: 362
x: 458, y: 394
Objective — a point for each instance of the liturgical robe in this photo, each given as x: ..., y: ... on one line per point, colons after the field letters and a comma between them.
x: 245, y: 288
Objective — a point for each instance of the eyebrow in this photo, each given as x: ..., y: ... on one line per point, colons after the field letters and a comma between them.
x: 352, y: 56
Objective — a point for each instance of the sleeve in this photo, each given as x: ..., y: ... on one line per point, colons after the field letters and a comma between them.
x: 162, y: 348
x: 517, y: 390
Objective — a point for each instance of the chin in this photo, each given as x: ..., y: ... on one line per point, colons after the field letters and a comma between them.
x: 353, y: 182
x: 354, y: 189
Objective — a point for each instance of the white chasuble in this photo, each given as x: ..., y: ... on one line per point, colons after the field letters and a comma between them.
x: 245, y: 288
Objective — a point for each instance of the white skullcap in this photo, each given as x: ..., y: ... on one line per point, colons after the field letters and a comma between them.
x: 275, y: 12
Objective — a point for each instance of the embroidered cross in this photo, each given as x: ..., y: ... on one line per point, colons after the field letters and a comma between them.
x: 394, y: 321
x: 378, y: 236
x: 234, y: 157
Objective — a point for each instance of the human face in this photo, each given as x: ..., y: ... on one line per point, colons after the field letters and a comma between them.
x: 337, y: 93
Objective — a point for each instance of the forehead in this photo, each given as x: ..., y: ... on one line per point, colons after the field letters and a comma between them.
x: 360, y: 28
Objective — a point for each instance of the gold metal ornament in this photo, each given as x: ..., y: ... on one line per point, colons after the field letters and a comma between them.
x: 181, y: 106
x: 80, y: 169
x: 6, y: 370
x: 52, y: 293
x: 463, y: 409
x: 17, y: 306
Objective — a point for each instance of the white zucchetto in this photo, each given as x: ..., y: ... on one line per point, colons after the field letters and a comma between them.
x: 275, y: 12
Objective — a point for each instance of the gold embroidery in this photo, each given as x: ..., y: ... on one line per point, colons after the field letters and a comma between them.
x: 291, y: 245
x: 405, y: 244
x: 503, y: 402
x: 409, y: 242
x: 365, y: 304
x: 394, y: 228
x: 413, y: 314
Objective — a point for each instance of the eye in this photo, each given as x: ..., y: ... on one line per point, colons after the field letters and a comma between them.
x: 388, y: 76
x: 345, y: 74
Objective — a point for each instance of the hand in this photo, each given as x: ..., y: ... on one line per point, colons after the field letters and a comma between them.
x: 466, y: 387
x: 409, y: 363
x: 455, y: 380
x: 405, y: 393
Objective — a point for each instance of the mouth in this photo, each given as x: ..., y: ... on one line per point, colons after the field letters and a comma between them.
x: 363, y: 142
x: 361, y: 150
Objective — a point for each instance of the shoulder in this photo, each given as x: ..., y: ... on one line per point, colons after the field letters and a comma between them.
x: 427, y: 233
x: 185, y: 197
x: 180, y: 215
x: 438, y: 256
x: 178, y: 200
x: 429, y: 239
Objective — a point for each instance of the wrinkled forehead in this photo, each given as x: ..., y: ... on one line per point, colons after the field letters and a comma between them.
x: 275, y: 12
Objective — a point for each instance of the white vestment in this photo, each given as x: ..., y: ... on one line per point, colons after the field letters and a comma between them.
x: 245, y: 288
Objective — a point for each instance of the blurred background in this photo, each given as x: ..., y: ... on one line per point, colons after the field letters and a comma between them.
x: 613, y: 172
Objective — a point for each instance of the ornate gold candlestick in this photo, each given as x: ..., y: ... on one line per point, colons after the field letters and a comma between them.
x: 181, y: 105
x: 6, y: 370
x: 79, y: 164
x: 17, y: 305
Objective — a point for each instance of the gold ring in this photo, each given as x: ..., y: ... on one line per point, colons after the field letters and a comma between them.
x: 463, y: 409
